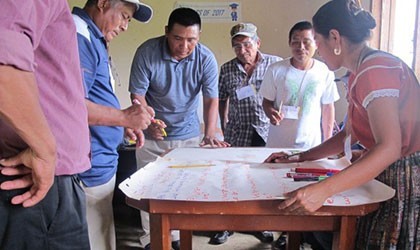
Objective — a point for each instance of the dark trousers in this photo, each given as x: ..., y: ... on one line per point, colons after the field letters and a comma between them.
x: 257, y: 140
x: 58, y: 222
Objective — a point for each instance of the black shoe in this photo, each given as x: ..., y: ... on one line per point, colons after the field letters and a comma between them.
x: 175, y: 245
x: 280, y: 243
x: 264, y: 236
x: 220, y: 237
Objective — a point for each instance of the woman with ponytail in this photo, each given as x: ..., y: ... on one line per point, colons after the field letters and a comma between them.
x: 384, y: 116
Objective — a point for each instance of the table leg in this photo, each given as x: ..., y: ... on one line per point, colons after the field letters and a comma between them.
x: 345, y: 239
x: 160, y: 234
x: 186, y: 239
x: 293, y: 240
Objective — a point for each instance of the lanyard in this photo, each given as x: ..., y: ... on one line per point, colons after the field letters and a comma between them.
x: 296, y: 101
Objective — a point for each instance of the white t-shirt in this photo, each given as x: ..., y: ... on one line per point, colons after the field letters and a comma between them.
x: 307, y: 90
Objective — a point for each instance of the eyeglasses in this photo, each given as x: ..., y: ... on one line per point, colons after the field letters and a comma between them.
x: 306, y: 43
x: 246, y: 45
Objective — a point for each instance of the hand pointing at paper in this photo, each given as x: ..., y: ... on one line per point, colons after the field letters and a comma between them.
x: 283, y: 157
x: 305, y: 200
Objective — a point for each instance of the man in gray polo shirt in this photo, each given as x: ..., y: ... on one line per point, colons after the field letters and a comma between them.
x: 168, y: 73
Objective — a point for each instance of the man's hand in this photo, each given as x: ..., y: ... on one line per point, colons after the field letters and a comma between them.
x: 135, y: 135
x: 138, y: 116
x: 157, y: 129
x: 213, y: 142
x: 275, y: 117
x: 36, y: 172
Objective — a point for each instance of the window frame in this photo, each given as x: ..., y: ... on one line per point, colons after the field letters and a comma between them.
x: 383, y: 12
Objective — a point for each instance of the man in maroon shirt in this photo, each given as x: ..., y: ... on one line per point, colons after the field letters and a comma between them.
x: 44, y: 137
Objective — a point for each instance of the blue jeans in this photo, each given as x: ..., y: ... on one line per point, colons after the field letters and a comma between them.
x: 57, y: 222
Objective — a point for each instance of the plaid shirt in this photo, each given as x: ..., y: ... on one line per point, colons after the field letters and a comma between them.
x: 247, y: 115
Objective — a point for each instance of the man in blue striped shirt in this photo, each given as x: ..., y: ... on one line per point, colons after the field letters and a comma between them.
x: 97, y: 24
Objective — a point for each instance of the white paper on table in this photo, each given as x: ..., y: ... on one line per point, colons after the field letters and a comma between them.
x: 236, y: 174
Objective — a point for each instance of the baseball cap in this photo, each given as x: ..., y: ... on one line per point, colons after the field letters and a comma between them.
x: 244, y: 29
x: 143, y: 13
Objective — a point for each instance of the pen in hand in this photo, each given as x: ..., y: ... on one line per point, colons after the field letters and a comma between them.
x: 293, y: 157
x: 156, y: 121
x: 159, y: 122
x: 277, y: 116
x: 280, y: 106
x: 283, y: 157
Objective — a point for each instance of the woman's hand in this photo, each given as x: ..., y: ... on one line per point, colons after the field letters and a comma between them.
x: 305, y: 200
x: 283, y: 157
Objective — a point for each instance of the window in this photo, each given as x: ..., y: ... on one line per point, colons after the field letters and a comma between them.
x: 398, y: 29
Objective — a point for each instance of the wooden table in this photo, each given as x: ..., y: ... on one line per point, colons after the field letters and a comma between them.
x: 257, y: 215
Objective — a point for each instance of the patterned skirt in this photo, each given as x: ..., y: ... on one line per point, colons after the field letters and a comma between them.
x: 395, y: 225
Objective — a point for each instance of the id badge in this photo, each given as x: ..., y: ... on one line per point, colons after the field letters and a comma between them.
x: 290, y: 112
x: 347, y: 148
x: 245, y: 92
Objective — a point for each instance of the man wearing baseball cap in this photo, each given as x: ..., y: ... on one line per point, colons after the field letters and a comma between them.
x: 97, y: 24
x: 245, y: 125
x: 143, y: 11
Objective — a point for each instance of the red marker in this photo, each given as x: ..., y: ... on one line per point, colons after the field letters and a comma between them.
x: 315, y: 170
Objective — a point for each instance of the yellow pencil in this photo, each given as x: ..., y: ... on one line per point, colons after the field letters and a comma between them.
x: 162, y: 130
x: 191, y: 166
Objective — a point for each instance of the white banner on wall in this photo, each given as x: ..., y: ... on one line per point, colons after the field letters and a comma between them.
x: 215, y: 12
